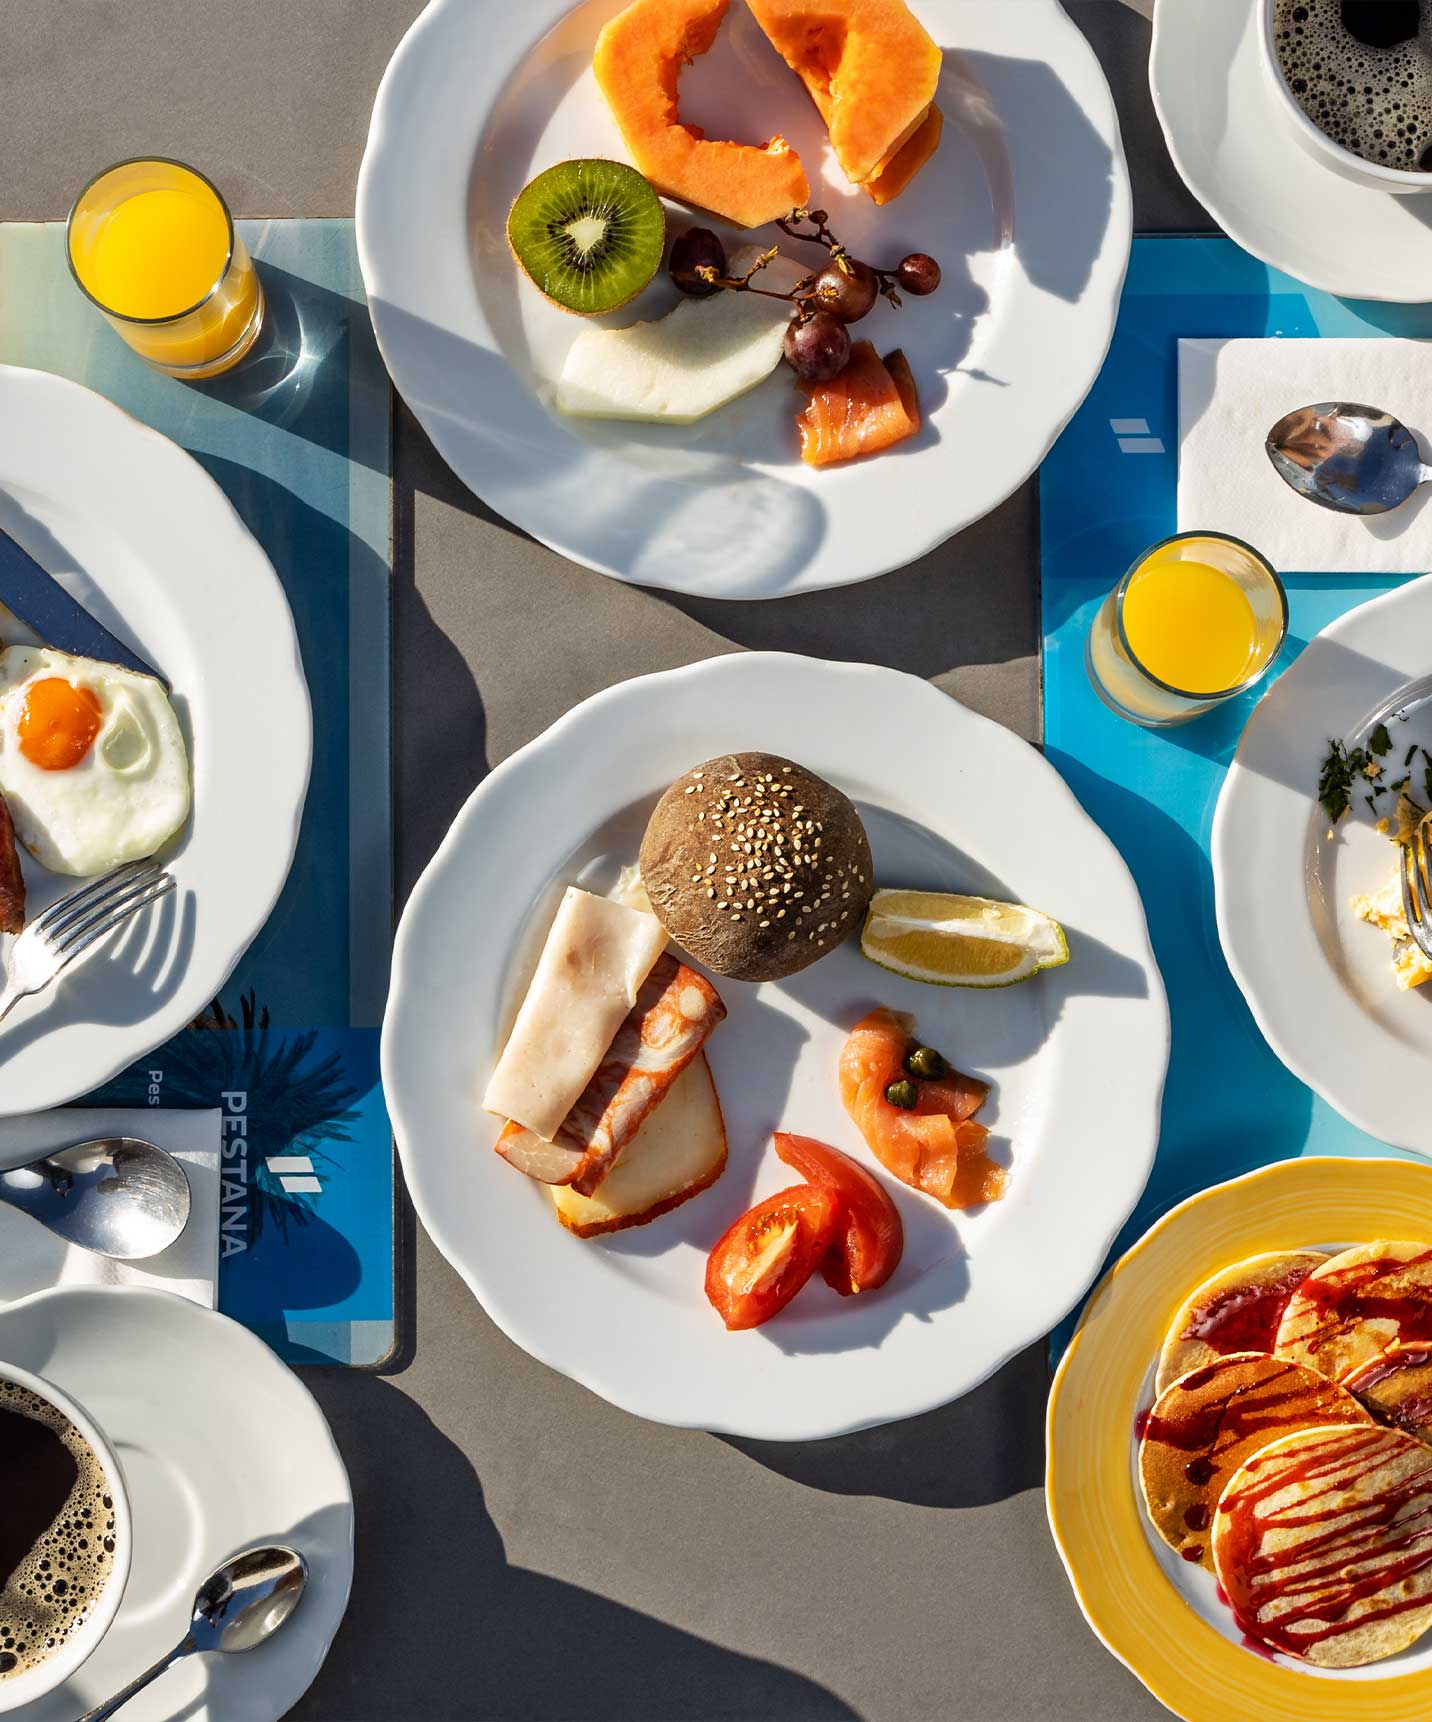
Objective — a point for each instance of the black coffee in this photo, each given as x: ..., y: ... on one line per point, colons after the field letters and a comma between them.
x: 56, y: 1529
x: 1361, y: 70
x: 1382, y: 23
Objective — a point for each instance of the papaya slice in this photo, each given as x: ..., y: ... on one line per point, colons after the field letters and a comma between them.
x: 858, y: 412
x: 870, y: 67
x: 638, y: 60
x: 916, y: 151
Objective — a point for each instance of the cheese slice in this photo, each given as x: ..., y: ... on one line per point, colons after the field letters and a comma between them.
x: 596, y: 957
x: 679, y: 1151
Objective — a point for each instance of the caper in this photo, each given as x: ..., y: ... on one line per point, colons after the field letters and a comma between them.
x: 903, y: 1093
x: 926, y: 1063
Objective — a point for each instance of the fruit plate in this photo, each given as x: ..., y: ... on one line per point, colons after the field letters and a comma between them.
x: 627, y: 1316
x: 1318, y: 980
x: 1157, y: 1614
x: 137, y: 530
x: 1026, y: 207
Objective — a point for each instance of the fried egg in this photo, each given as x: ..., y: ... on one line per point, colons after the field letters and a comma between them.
x: 92, y: 761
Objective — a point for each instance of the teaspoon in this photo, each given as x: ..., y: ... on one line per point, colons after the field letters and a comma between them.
x: 1350, y: 458
x: 246, y: 1601
x: 119, y: 1197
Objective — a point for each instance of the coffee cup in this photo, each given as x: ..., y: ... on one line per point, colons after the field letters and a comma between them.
x: 65, y: 1540
x: 1376, y: 176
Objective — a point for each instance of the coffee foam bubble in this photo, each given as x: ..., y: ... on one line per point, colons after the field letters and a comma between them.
x: 51, y: 1592
x: 1376, y: 102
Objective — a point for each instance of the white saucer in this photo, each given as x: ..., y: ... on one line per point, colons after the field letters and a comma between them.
x: 1231, y: 142
x: 222, y: 1448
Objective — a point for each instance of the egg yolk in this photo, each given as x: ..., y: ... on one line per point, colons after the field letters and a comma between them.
x: 58, y: 724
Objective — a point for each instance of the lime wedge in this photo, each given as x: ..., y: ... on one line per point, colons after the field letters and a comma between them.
x: 953, y: 941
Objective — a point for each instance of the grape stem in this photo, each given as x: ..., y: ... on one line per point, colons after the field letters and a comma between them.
x: 800, y: 295
x: 818, y: 219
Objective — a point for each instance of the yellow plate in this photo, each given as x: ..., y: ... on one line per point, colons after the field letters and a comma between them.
x: 1094, y: 1509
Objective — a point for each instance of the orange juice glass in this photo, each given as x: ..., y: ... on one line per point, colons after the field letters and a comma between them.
x: 152, y: 243
x: 1198, y: 618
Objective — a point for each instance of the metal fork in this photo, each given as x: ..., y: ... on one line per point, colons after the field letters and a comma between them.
x: 69, y: 928
x: 1417, y: 886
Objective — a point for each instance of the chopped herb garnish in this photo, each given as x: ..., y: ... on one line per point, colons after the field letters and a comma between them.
x: 1344, y: 765
x: 1379, y: 741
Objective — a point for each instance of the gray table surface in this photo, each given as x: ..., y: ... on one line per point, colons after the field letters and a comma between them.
x: 525, y: 1551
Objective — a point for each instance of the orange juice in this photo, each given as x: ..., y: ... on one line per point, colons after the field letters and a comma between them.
x: 1198, y: 618
x: 158, y: 253
x: 1190, y: 625
x: 153, y: 245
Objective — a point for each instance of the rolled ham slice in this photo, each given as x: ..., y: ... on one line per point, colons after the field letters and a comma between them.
x: 674, y: 1014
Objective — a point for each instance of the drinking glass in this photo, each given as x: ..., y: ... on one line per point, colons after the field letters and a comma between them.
x: 1129, y: 686
x: 151, y: 242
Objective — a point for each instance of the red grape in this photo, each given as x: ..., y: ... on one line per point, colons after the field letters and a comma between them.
x: 848, y: 293
x: 697, y: 248
x: 818, y: 348
x: 918, y: 274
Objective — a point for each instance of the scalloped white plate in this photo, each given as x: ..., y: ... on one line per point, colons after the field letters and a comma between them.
x: 223, y: 1448
x: 1318, y: 980
x: 1026, y: 206
x: 146, y: 540
x: 1077, y: 1056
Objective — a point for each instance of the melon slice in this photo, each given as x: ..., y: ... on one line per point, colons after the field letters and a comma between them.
x: 679, y: 1151
x: 871, y: 69
x: 895, y: 178
x: 682, y: 366
x: 638, y: 61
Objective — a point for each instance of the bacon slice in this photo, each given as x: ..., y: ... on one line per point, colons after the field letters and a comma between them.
x: 12, y: 880
x: 674, y: 1014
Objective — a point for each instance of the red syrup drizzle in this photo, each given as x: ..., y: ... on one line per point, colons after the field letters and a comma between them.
x: 1244, y: 1318
x: 1349, y: 1296
x: 1413, y: 1412
x: 1369, y: 1546
x: 1277, y: 1401
x: 1141, y: 1423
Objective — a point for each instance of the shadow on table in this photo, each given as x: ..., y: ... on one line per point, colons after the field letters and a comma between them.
x: 983, y: 1448
x: 463, y: 1634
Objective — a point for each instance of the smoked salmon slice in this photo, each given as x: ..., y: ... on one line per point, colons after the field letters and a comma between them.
x: 674, y: 1013
x: 858, y: 412
x: 936, y: 1145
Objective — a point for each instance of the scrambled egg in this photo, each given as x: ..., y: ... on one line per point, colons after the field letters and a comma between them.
x: 1383, y: 909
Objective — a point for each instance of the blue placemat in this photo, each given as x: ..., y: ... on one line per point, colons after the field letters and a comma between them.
x: 299, y: 438
x: 1107, y: 491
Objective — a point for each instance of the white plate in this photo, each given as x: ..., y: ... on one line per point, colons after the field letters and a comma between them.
x: 1318, y: 980
x: 1077, y: 1055
x: 223, y: 1448
x: 146, y: 540
x: 1235, y: 150
x: 1026, y: 206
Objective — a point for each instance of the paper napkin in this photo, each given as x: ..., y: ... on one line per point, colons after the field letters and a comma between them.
x: 33, y: 1259
x: 1231, y: 394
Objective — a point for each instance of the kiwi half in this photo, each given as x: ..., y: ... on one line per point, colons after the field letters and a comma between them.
x: 590, y: 233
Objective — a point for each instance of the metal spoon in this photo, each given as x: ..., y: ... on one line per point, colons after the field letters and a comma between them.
x: 1352, y: 459
x: 246, y: 1601
x: 119, y: 1197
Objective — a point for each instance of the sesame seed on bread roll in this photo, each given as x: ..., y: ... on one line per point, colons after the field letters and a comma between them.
x: 755, y: 866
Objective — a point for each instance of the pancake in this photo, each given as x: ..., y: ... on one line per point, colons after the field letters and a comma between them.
x: 1323, y: 1544
x: 1397, y: 1386
x: 1350, y: 1310
x: 1211, y: 1421
x: 1237, y: 1309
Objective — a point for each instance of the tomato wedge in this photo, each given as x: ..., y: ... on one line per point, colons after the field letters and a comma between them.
x: 870, y: 1239
x: 770, y: 1253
